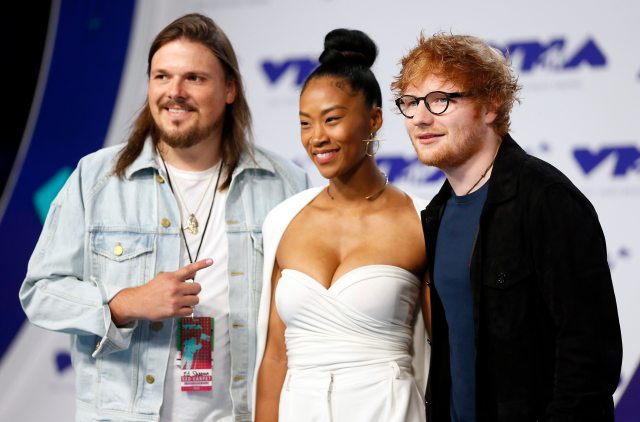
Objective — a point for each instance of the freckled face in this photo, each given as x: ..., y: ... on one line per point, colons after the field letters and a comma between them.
x: 188, y: 93
x: 334, y: 121
x: 452, y: 138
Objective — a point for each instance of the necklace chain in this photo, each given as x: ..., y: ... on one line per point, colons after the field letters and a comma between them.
x: 192, y: 220
x: 369, y: 197
x: 206, y: 224
x: 481, y: 177
x: 484, y: 173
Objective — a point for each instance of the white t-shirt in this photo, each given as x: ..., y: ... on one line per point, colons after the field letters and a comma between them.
x: 215, y: 405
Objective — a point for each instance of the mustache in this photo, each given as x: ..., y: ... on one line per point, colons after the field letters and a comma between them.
x: 180, y: 103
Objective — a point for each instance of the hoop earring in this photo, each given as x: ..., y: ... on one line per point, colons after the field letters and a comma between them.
x: 374, y: 143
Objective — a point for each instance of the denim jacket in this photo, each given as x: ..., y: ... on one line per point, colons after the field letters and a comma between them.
x: 104, y: 233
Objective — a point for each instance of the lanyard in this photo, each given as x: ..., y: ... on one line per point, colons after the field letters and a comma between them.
x: 206, y: 224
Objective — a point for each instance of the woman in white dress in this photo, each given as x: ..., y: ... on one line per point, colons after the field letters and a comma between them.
x: 341, y: 336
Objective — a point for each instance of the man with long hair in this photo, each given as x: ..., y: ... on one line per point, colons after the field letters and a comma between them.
x: 151, y: 255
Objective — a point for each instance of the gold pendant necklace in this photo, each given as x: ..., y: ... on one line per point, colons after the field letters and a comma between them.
x: 192, y: 220
x: 195, y: 221
x: 192, y: 226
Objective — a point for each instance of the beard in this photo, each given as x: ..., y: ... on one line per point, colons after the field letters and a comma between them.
x: 456, y: 151
x: 185, y: 138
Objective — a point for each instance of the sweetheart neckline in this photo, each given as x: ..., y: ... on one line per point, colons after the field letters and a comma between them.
x: 336, y: 282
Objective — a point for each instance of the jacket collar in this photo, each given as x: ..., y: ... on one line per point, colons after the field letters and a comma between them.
x: 254, y: 159
x: 503, y: 183
x: 147, y: 160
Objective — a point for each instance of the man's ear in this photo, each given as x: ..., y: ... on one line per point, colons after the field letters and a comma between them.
x: 490, y: 114
x: 232, y: 89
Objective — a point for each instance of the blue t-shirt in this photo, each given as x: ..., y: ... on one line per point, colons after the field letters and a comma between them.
x: 454, y: 245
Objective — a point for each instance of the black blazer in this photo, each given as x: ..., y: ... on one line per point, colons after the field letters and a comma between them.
x: 547, y: 333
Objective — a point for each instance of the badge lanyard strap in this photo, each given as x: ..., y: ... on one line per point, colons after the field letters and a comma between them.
x: 206, y: 224
x: 204, y: 231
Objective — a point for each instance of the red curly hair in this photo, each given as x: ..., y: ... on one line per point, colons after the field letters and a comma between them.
x: 467, y: 61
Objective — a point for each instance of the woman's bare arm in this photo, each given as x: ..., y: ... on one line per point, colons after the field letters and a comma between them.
x: 426, y: 302
x: 273, y: 367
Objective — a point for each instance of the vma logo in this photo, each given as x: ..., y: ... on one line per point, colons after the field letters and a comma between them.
x: 554, y: 55
x: 625, y: 159
x: 298, y: 68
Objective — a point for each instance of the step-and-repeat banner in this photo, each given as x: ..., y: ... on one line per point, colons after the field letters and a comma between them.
x: 580, y: 109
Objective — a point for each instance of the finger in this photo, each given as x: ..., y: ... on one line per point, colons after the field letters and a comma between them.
x: 190, y: 300
x: 179, y: 305
x: 187, y: 304
x: 189, y: 288
x: 189, y: 271
x: 185, y: 311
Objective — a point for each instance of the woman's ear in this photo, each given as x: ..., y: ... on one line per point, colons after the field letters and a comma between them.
x: 376, y: 119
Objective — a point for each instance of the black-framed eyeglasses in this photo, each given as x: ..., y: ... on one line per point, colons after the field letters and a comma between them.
x: 437, y: 102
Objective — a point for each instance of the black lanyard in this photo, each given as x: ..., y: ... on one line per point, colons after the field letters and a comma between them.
x: 206, y: 224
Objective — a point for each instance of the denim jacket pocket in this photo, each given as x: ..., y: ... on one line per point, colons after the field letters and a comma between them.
x: 121, y: 259
x: 121, y: 246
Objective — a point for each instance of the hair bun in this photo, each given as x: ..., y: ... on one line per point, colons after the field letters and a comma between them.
x: 348, y: 46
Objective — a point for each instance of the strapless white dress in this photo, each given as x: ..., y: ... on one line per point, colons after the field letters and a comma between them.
x: 349, y: 347
x: 351, y: 353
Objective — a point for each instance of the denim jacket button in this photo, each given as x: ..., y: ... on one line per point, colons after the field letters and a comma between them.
x: 165, y: 222
x: 156, y: 325
x: 150, y: 379
x: 118, y: 249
